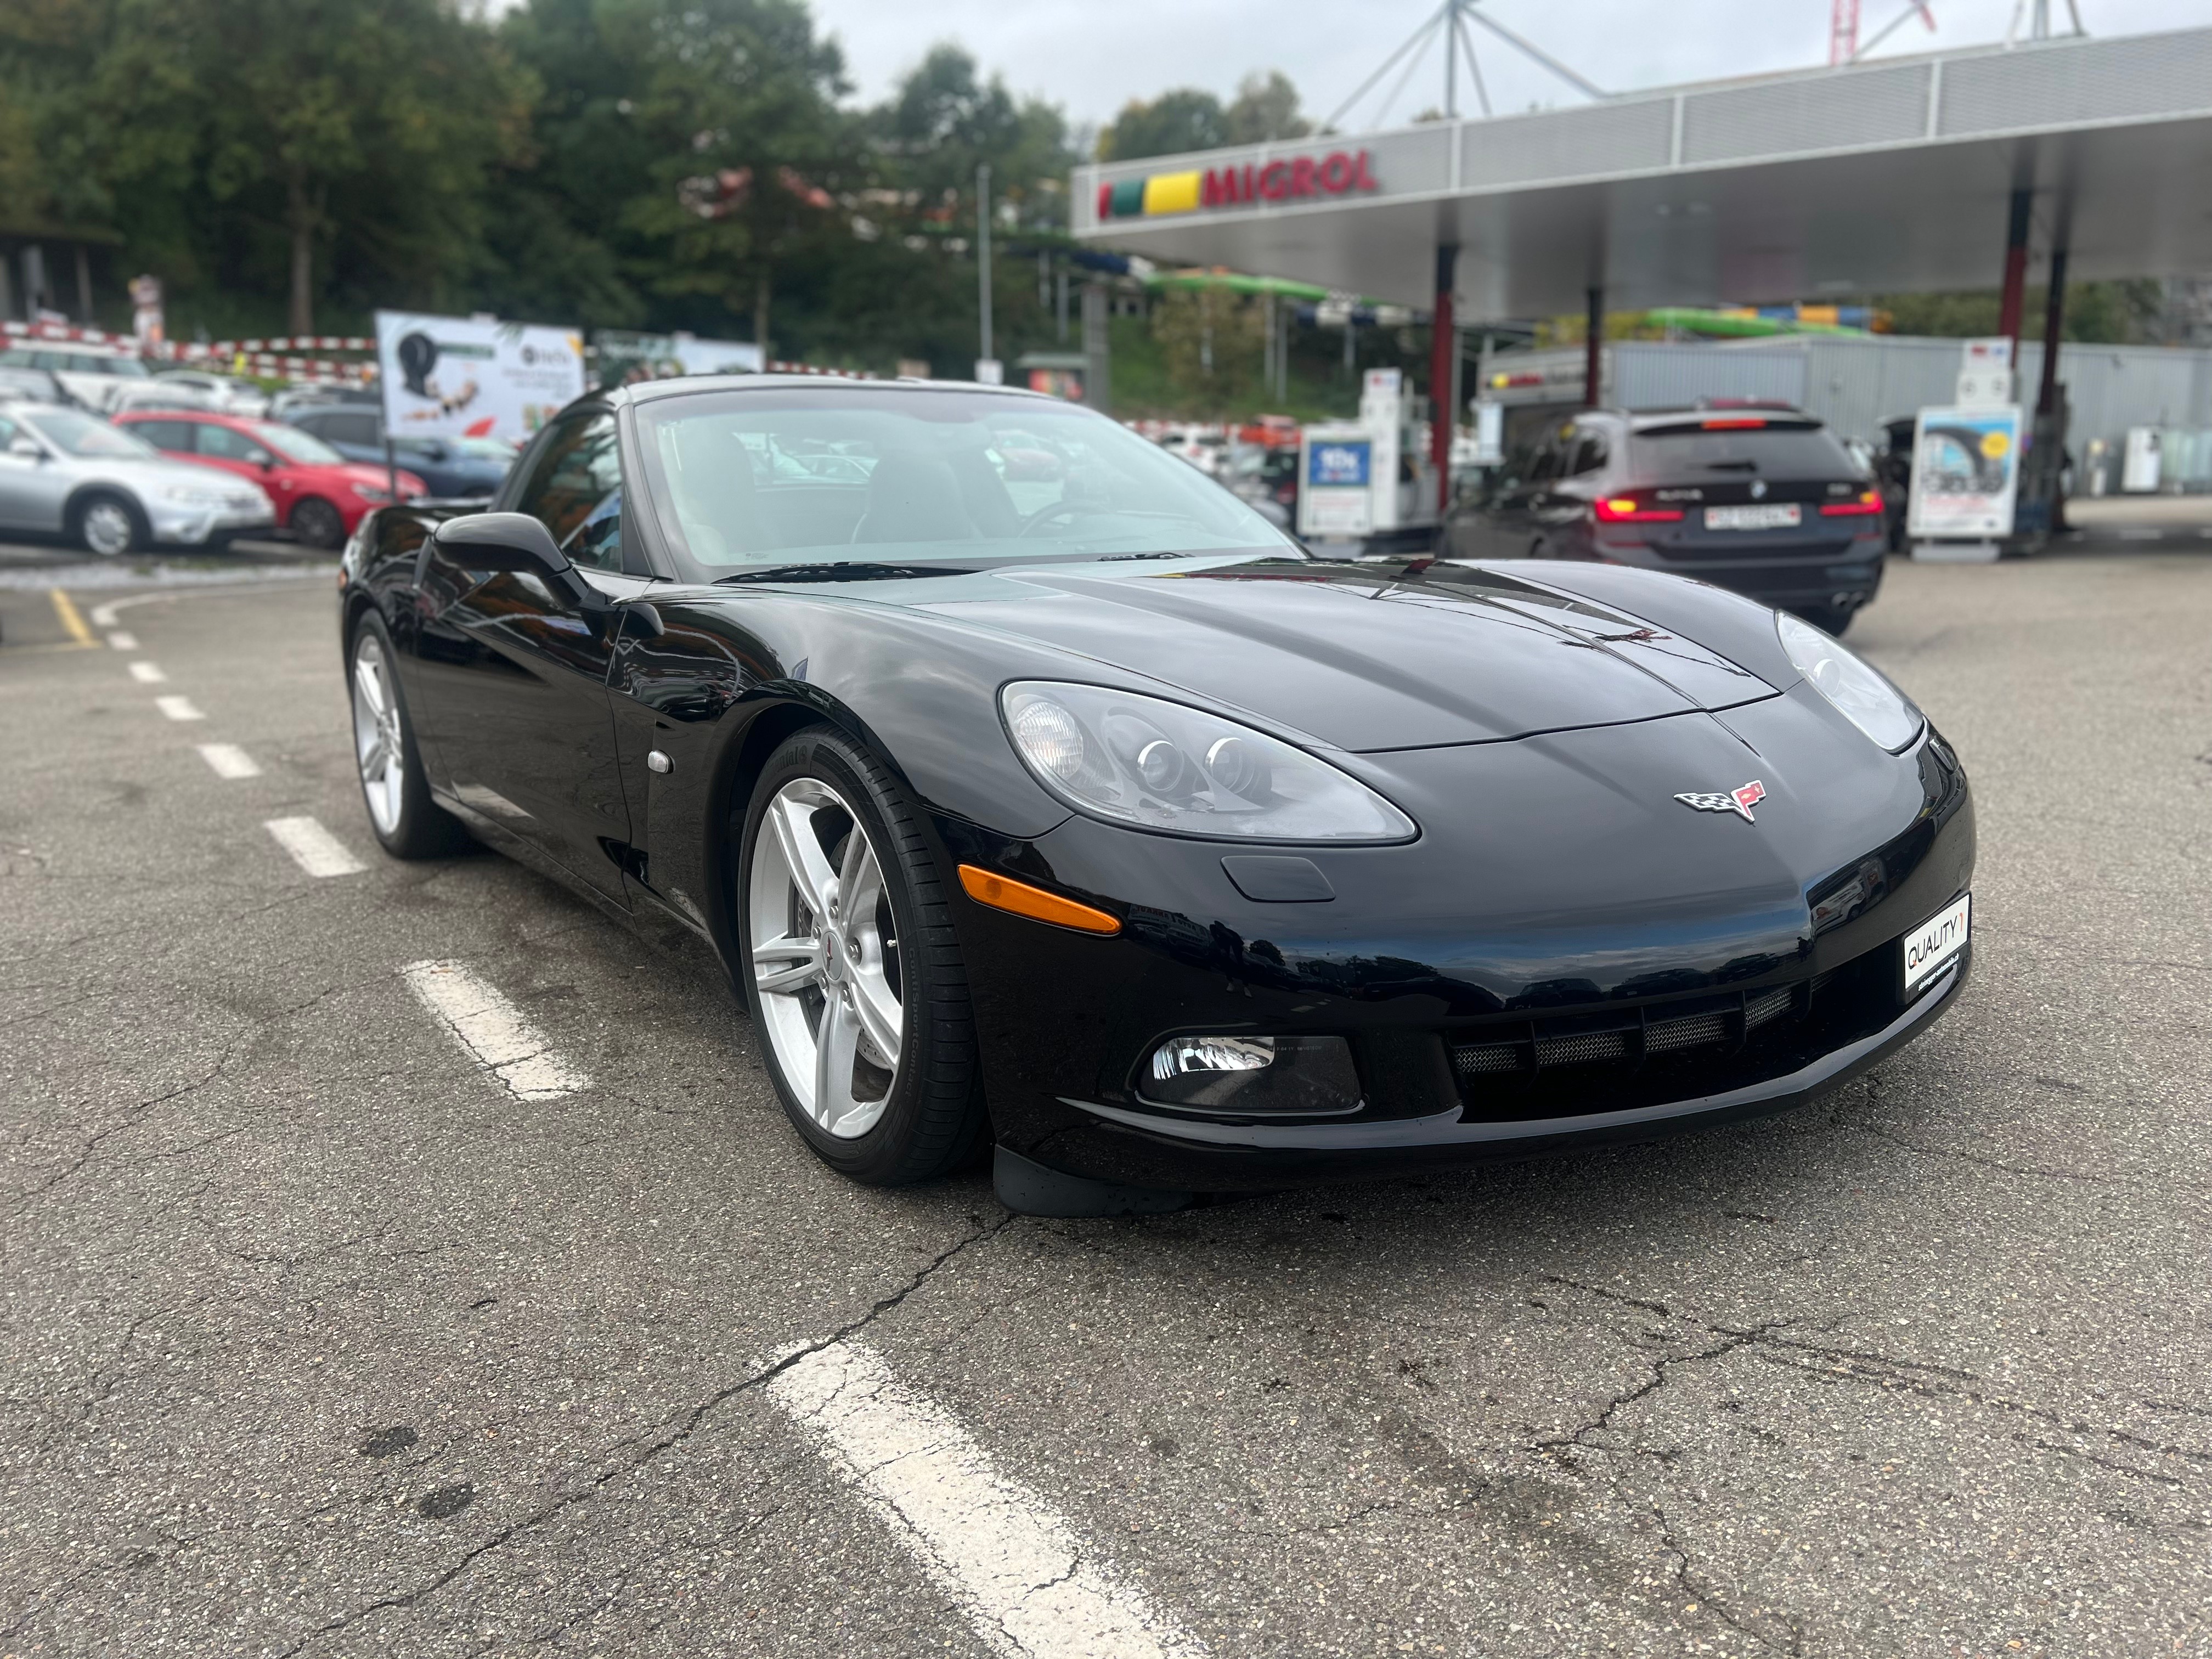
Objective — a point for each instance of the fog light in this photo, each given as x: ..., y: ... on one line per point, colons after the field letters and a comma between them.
x: 1253, y: 1076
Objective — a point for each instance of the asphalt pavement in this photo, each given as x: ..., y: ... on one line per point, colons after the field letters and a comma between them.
x: 406, y: 1259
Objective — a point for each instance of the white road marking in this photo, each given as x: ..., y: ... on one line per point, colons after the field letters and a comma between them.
x: 149, y: 673
x: 178, y: 708
x: 229, y: 761
x: 496, y: 1033
x: 314, y: 848
x: 121, y: 641
x: 1029, y: 1585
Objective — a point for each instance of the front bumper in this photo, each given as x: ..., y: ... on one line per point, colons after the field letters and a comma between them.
x: 196, y: 527
x: 1784, y: 577
x: 1639, y: 924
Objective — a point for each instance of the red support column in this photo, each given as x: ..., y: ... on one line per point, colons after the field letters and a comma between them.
x: 2015, y: 274
x: 1594, y: 349
x: 2054, y: 324
x: 1443, y: 352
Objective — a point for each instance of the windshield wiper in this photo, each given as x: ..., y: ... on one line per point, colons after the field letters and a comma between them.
x: 843, y: 570
x: 1731, y: 466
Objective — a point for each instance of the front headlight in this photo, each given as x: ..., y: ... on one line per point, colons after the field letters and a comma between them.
x: 1866, y: 697
x: 376, y: 493
x: 1159, y: 765
x: 192, y: 496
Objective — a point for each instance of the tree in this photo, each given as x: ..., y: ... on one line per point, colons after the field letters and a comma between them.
x: 1183, y: 119
x: 2099, y: 312
x: 369, y: 123
x: 699, y: 140
x: 1266, y: 108
x: 1212, y: 341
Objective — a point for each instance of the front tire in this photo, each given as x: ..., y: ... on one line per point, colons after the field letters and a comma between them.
x: 851, y: 968
x: 406, y: 821
x: 108, y: 526
x: 317, y: 523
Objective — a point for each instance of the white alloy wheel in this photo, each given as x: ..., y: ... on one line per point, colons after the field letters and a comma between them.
x: 378, y: 743
x: 107, y: 528
x: 825, y: 958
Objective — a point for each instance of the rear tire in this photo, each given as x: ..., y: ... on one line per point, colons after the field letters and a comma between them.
x: 317, y: 523
x: 890, y: 985
x: 406, y: 821
x: 108, y: 525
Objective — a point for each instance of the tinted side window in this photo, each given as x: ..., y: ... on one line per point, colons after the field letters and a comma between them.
x: 222, y: 442
x: 1545, y: 465
x: 572, y: 473
x: 597, y: 542
x: 174, y: 436
x: 360, y: 429
x: 1589, y: 454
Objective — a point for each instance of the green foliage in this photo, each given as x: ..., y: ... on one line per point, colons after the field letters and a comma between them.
x: 1187, y: 118
x: 2101, y: 313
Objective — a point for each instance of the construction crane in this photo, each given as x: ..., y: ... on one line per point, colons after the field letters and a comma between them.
x: 1843, y: 46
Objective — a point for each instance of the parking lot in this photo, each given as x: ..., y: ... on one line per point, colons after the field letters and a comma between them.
x: 346, y: 1314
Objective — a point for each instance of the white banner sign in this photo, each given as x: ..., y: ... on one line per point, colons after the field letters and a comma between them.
x: 1965, y: 472
x: 626, y: 358
x: 469, y: 377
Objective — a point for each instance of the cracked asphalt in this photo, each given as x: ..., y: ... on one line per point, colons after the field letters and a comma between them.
x: 318, y: 1342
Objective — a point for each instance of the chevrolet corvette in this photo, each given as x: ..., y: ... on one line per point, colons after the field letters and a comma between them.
x: 1041, y: 800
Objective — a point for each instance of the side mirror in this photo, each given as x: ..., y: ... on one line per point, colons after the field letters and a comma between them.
x: 27, y: 447
x: 500, y: 541
x: 516, y: 542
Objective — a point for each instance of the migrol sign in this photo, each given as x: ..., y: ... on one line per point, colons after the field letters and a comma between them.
x: 1340, y: 172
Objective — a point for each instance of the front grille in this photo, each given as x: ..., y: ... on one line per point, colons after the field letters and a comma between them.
x: 1665, y: 1049
x: 1770, y: 1004
x: 1665, y: 1035
x: 1585, y: 1050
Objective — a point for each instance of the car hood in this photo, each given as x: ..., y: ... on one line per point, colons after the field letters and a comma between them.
x: 1361, y: 657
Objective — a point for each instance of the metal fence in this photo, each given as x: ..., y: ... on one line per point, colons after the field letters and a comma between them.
x: 1856, y: 383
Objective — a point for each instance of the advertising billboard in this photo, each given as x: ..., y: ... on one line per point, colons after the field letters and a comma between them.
x: 626, y: 358
x: 1965, y: 472
x: 473, y: 377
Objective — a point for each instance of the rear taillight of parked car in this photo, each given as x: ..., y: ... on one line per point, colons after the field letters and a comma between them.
x: 1637, y: 507
x: 1864, y: 505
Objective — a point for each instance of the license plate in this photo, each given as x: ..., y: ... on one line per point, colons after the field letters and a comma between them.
x: 1930, y: 946
x: 1781, y: 515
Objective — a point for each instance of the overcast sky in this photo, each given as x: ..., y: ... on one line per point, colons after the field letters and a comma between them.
x: 1093, y: 56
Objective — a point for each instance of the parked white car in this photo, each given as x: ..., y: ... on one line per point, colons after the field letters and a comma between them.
x: 93, y: 374
x: 65, y: 473
x: 224, y: 393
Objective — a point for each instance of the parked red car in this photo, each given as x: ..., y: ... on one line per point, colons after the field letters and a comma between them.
x: 319, y: 495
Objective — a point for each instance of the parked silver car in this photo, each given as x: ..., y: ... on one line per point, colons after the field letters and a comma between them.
x: 63, y: 471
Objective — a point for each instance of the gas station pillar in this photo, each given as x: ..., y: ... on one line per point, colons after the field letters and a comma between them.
x: 1594, y: 349
x: 2013, y: 301
x: 1444, y: 372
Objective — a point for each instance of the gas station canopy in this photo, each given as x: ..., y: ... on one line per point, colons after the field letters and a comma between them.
x: 1889, y: 177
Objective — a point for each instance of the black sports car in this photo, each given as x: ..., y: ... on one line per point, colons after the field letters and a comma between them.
x: 1038, y: 793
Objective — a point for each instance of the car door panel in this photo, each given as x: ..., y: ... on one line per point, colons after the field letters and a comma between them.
x: 33, y: 490
x: 515, y: 670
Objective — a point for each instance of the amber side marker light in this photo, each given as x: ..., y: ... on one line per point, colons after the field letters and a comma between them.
x: 1019, y: 897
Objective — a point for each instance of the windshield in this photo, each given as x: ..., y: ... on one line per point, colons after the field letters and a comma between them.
x: 294, y: 445
x: 81, y: 435
x: 813, y: 475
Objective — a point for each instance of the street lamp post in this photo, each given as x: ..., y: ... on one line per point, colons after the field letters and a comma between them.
x: 983, y: 262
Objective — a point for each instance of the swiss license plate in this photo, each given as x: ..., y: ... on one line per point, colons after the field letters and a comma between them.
x: 1930, y: 946
x: 1781, y: 515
